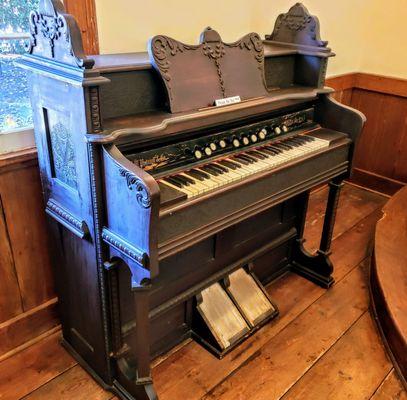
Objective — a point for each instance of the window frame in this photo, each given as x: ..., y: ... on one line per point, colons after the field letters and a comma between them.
x: 20, y: 138
x: 85, y: 11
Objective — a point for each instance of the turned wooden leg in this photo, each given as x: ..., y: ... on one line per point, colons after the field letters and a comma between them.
x: 318, y: 267
x: 335, y: 187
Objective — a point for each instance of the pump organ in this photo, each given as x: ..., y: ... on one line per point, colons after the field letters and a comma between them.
x: 168, y: 214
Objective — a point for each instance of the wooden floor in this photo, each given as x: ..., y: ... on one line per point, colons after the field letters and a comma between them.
x: 324, y: 344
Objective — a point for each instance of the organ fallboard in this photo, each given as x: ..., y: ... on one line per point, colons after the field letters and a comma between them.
x: 176, y: 183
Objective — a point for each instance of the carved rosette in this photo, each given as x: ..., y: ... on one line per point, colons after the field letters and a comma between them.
x: 134, y: 183
x: 56, y: 35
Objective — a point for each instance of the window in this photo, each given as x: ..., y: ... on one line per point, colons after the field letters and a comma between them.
x: 15, y: 111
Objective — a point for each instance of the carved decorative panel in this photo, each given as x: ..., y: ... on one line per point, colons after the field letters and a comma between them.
x: 56, y: 35
x: 297, y: 26
x: 61, y: 148
x: 197, y: 75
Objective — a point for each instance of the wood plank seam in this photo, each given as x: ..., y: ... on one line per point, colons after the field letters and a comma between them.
x: 258, y: 353
x: 381, y: 383
x: 211, y: 392
x: 3, y: 216
x: 321, y: 357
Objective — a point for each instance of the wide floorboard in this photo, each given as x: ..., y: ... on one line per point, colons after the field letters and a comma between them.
x: 324, y: 344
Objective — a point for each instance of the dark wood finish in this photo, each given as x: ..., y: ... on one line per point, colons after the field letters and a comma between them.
x: 193, y: 365
x: 196, y: 76
x: 389, y: 277
x: 128, y: 269
x: 298, y: 27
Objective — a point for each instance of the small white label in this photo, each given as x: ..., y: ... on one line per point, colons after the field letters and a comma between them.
x: 227, y: 100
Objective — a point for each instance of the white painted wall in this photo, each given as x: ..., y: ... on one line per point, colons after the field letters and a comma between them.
x: 367, y: 35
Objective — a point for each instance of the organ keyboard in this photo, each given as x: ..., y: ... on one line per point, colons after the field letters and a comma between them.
x: 223, y: 171
x: 176, y: 184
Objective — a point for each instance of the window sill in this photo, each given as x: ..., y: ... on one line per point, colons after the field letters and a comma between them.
x: 16, y: 140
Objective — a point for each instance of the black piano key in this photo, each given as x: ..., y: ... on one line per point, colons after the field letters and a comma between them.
x: 173, y: 182
x: 242, y: 160
x: 274, y: 148
x: 210, y: 170
x: 256, y: 156
x: 264, y: 153
x: 271, y: 153
x: 188, y: 179
x: 258, y: 153
x: 280, y: 146
x: 201, y: 173
x: 222, y: 167
x: 244, y: 157
x: 180, y: 179
x: 195, y: 175
x: 249, y: 158
x: 229, y: 164
x: 293, y: 143
x: 170, y: 196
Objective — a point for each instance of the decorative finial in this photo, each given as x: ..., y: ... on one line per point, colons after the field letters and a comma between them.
x: 297, y: 26
x: 56, y: 35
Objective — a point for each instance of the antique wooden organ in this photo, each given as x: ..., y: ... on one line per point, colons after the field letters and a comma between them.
x: 176, y: 183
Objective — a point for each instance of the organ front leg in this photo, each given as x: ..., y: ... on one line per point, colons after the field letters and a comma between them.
x: 318, y: 267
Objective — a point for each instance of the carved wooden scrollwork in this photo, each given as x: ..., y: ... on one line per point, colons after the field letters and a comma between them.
x: 297, y: 26
x: 134, y: 183
x: 182, y: 67
x: 56, y: 35
x: 163, y: 47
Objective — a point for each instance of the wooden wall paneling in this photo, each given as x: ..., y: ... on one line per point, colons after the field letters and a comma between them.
x: 381, y: 84
x: 17, y: 331
x: 380, y: 146
x: 85, y: 13
x: 344, y: 96
x: 381, y: 155
x: 10, y: 300
x: 23, y: 207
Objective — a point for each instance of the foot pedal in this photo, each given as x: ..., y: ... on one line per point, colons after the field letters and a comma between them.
x: 221, y: 316
x: 249, y: 296
x: 230, y: 311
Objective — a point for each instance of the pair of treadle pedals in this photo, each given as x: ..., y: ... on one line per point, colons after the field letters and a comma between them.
x: 230, y: 310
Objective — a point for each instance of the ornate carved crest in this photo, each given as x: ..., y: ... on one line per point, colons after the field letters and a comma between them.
x: 195, y: 76
x: 297, y: 26
x: 56, y: 35
x: 134, y: 183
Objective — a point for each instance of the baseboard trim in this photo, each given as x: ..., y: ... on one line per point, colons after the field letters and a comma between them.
x: 375, y: 182
x: 374, y: 83
x: 24, y: 328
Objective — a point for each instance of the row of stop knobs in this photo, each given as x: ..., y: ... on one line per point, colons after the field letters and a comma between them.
x: 236, y: 141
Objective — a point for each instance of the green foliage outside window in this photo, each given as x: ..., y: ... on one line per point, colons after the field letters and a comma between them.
x: 15, y: 111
